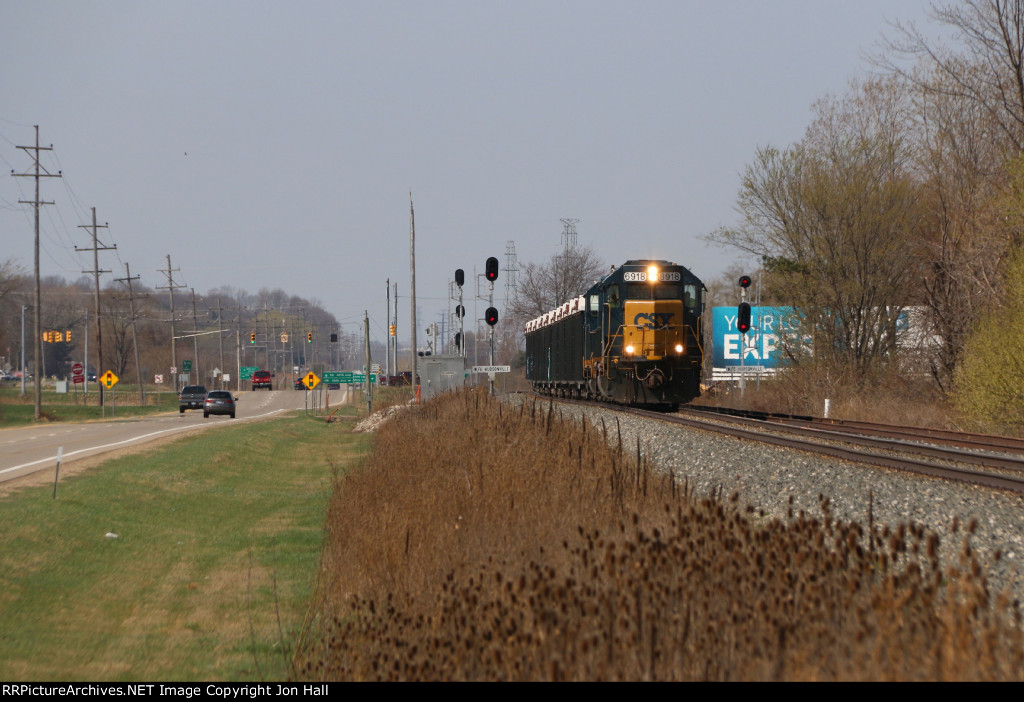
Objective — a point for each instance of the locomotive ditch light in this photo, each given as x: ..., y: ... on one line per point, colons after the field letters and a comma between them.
x: 630, y: 350
x: 679, y: 348
x: 652, y: 274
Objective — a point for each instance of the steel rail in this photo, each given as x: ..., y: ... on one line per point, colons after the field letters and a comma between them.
x: 776, y: 434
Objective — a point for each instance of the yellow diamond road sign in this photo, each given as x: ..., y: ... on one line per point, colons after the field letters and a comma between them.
x: 310, y: 380
x: 109, y: 380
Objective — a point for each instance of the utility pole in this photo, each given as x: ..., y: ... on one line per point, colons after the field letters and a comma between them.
x: 220, y: 335
x: 96, y: 248
x: 127, y: 280
x: 412, y: 294
x: 238, y: 348
x: 40, y: 172
x: 195, y: 340
x: 369, y: 385
x: 170, y: 288
x: 395, y: 335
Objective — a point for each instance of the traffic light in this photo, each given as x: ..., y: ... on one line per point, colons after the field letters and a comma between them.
x: 460, y: 277
x: 334, y: 338
x: 391, y: 329
x: 309, y: 337
x: 743, y: 318
x: 744, y: 281
x: 252, y: 337
x: 491, y: 271
x: 491, y: 316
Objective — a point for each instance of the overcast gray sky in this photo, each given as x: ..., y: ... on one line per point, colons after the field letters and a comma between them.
x: 274, y: 144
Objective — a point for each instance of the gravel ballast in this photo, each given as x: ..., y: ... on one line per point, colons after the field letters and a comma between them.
x: 766, y: 477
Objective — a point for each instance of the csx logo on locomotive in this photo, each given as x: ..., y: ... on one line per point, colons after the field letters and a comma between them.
x: 653, y: 320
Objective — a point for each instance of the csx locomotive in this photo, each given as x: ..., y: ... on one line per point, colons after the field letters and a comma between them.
x: 632, y: 338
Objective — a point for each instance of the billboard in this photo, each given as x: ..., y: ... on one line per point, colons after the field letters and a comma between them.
x: 762, y: 346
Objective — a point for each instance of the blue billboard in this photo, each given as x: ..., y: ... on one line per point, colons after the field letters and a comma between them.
x: 771, y: 328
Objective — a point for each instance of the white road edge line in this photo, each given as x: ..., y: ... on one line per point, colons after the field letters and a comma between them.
x: 128, y: 441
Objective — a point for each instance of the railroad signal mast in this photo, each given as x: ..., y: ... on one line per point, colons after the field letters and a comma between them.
x: 743, y: 325
x: 460, y: 312
x: 491, y: 315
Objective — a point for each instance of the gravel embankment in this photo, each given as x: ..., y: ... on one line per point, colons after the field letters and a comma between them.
x: 767, y: 476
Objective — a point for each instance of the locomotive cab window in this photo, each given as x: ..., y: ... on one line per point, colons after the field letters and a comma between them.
x: 595, y: 304
x: 690, y: 297
x: 613, y: 296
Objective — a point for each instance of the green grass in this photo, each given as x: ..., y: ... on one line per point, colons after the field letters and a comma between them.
x: 218, y: 545
x: 18, y: 410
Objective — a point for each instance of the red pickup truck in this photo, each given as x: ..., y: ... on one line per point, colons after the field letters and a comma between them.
x: 262, y: 379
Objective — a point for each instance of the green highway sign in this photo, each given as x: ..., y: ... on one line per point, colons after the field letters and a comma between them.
x: 186, y: 365
x: 247, y: 371
x: 346, y: 377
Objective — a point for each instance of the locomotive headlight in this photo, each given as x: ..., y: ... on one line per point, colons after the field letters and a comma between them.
x: 629, y: 350
x: 652, y: 274
x: 679, y: 348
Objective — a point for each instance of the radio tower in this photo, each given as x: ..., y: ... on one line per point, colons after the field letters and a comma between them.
x: 568, y: 234
x: 511, y: 268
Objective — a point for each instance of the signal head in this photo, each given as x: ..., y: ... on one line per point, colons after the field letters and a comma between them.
x: 744, y: 281
x: 491, y: 269
x: 491, y: 316
x: 743, y: 318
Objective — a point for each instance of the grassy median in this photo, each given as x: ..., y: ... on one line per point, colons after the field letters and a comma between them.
x: 194, y: 561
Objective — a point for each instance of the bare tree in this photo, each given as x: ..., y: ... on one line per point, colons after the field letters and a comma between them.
x: 544, y: 286
x: 987, y: 69
x: 831, y: 217
x: 960, y: 164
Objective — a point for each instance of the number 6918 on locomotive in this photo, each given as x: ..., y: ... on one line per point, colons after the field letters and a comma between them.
x: 633, y: 338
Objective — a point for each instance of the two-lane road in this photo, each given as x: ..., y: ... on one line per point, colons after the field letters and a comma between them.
x: 25, y: 450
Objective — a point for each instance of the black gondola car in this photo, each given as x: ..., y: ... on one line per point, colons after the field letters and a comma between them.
x: 633, y: 338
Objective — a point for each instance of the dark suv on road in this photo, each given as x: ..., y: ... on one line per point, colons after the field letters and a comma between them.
x: 191, y: 397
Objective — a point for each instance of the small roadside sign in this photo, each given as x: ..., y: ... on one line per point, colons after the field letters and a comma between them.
x: 492, y: 369
x: 310, y: 380
x: 109, y: 380
x: 158, y: 379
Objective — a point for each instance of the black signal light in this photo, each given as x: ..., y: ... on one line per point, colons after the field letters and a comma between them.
x: 491, y: 316
x: 743, y: 318
x: 744, y: 281
x: 491, y: 270
x: 460, y: 277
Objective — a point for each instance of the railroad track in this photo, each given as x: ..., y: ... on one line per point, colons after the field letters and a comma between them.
x: 989, y: 461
